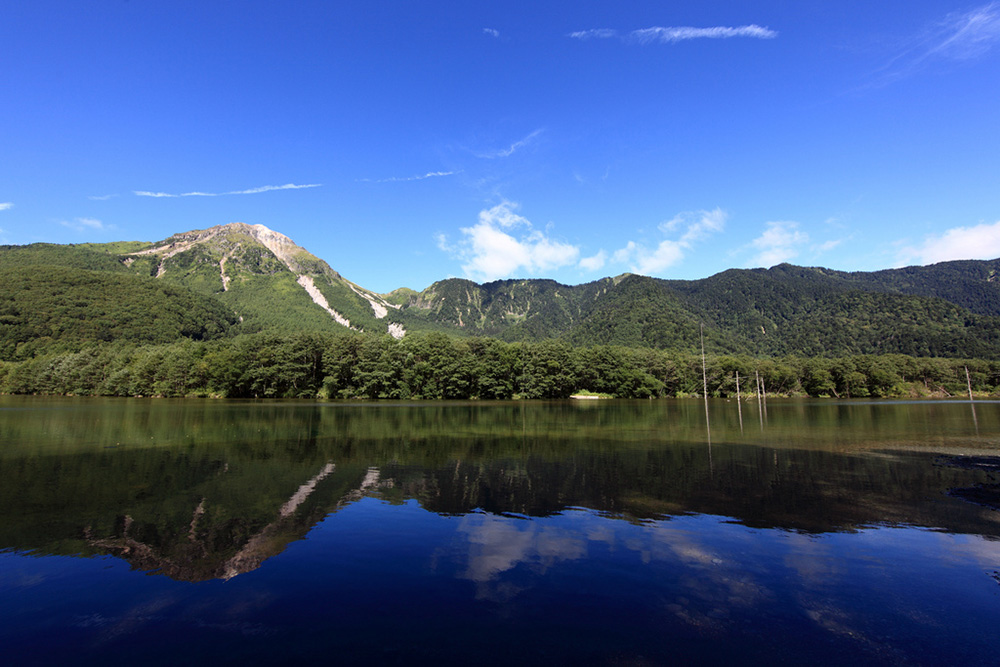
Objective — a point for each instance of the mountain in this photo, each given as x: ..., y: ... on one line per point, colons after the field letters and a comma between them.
x: 946, y: 310
x: 240, y: 278
x: 266, y: 277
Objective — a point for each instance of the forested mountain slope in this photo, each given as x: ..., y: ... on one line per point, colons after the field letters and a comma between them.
x: 59, y: 308
x: 942, y: 310
x: 239, y: 278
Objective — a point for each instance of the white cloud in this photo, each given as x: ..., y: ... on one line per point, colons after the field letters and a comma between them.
x: 595, y: 262
x: 85, y: 224
x: 779, y: 243
x: 624, y: 255
x: 403, y: 179
x: 5, y: 206
x: 250, y: 191
x: 979, y: 242
x: 513, y: 148
x: 503, y: 243
x: 698, y: 224
x: 694, y: 226
x: 674, y: 34
x: 491, y: 32
x: 665, y: 255
x: 101, y: 197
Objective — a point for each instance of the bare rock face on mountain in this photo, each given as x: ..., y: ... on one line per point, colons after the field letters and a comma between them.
x: 266, y: 274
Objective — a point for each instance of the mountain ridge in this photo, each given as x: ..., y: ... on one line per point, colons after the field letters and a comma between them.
x: 266, y: 282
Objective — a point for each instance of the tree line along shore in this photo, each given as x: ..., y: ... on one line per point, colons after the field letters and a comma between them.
x: 431, y: 366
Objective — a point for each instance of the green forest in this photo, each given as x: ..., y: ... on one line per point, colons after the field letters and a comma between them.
x: 216, y: 313
x: 437, y: 366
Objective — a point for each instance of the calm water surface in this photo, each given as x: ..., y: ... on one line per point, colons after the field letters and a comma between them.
x: 586, y: 532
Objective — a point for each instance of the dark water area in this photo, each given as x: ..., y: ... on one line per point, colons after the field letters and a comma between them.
x: 576, y: 532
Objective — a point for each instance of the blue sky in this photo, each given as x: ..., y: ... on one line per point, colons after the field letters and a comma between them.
x: 406, y: 142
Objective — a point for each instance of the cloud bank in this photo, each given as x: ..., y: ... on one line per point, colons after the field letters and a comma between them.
x: 5, y: 206
x: 672, y: 35
x: 779, y: 243
x: 503, y: 243
x: 251, y: 191
x: 694, y: 226
x: 978, y: 242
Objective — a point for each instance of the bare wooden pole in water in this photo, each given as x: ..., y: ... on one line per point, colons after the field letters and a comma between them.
x: 739, y: 404
x: 760, y: 408
x: 968, y: 382
x: 763, y: 392
x: 704, y: 382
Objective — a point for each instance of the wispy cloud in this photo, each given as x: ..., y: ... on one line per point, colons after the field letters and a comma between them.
x: 250, y: 191
x: 492, y: 32
x: 674, y: 34
x: 513, y: 148
x: 85, y: 224
x: 960, y: 36
x: 827, y: 246
x: 101, y: 197
x: 5, y: 206
x: 595, y: 33
x: 780, y: 242
x: 694, y: 226
x: 403, y: 179
x: 977, y: 242
x: 503, y: 243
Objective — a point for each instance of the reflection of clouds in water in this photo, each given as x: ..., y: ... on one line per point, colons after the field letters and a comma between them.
x: 711, y: 575
x: 815, y: 561
x: 710, y: 579
x: 812, y: 559
x: 958, y: 550
x: 498, y: 544
x: 215, y: 613
x: 133, y: 620
x: 600, y: 532
x: 19, y: 580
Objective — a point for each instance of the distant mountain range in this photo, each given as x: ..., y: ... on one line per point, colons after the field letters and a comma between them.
x: 239, y: 278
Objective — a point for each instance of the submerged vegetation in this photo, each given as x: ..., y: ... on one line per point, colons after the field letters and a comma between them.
x: 436, y: 366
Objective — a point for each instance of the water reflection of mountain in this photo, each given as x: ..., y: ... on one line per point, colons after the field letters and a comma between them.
x: 197, y: 513
x: 762, y: 488
x: 201, y: 557
x: 189, y: 515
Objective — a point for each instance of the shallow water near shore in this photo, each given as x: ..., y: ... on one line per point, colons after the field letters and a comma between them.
x: 592, y: 532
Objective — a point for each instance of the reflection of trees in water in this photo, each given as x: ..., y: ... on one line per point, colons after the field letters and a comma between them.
x: 197, y: 559
x: 201, y: 490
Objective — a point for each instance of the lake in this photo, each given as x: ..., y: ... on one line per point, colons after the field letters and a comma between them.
x: 571, y: 532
